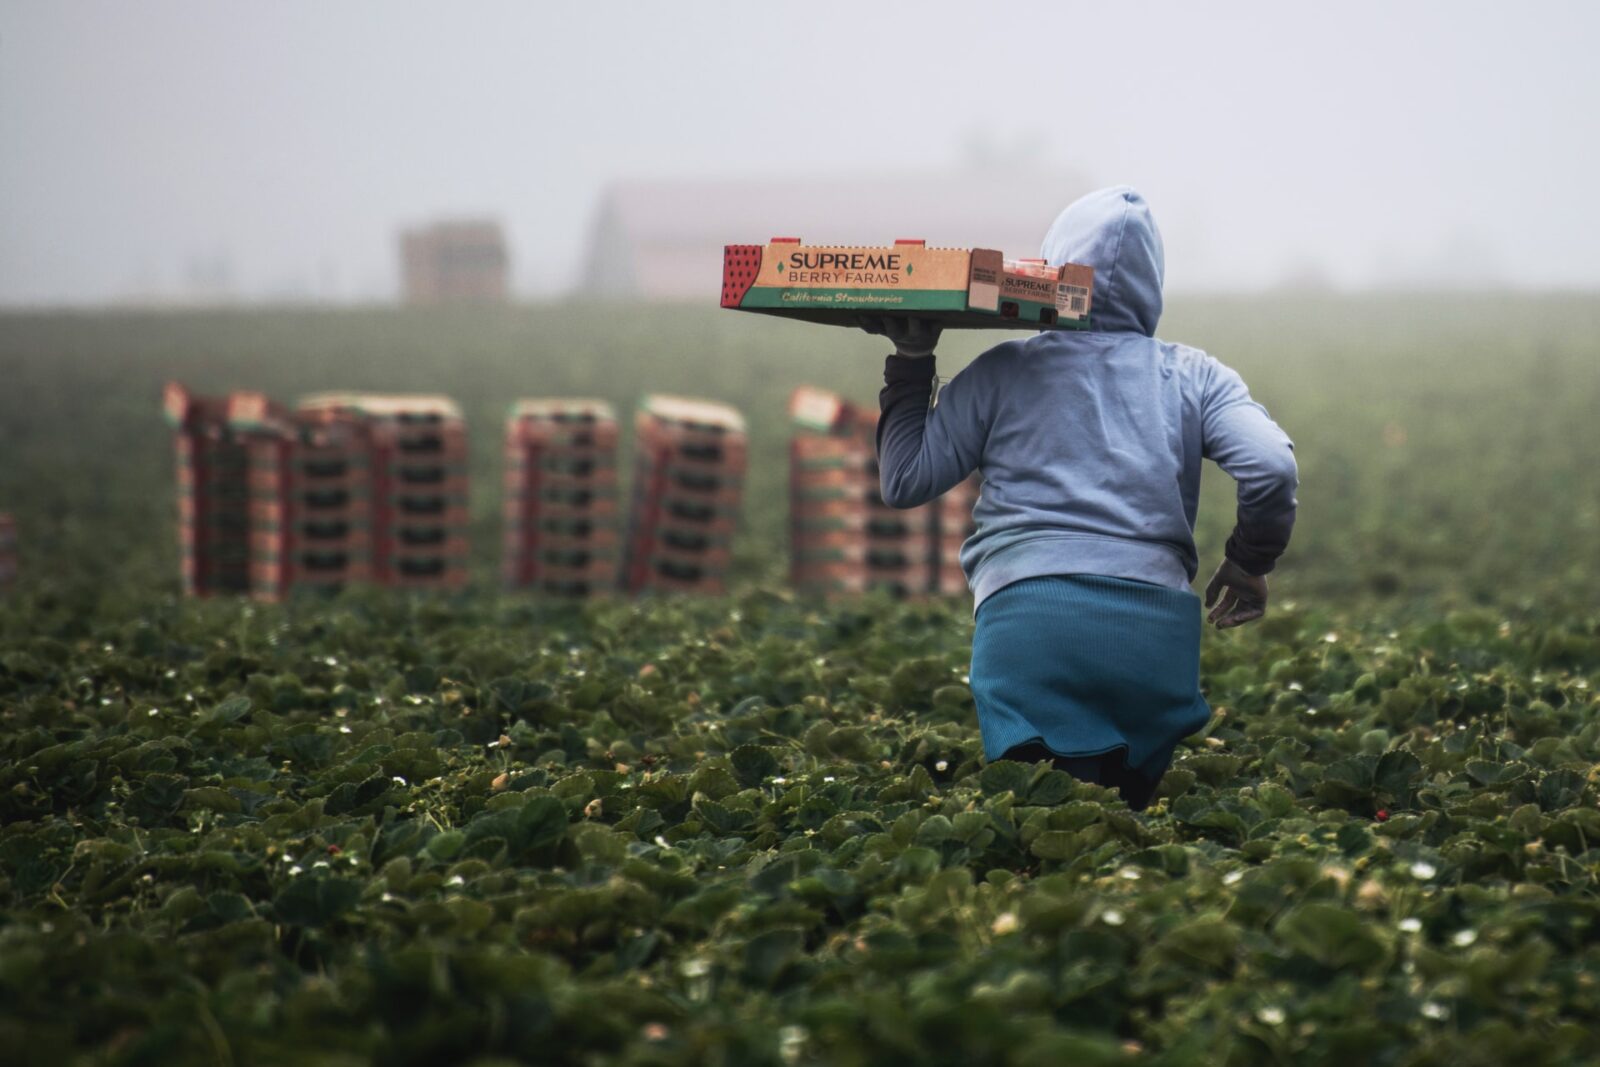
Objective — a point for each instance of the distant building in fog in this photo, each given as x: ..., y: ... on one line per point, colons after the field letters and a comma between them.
x: 663, y: 240
x: 455, y: 262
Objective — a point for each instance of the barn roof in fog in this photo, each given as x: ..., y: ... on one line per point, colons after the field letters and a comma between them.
x: 662, y: 240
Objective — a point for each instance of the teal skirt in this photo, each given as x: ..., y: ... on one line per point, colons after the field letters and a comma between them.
x: 1089, y: 666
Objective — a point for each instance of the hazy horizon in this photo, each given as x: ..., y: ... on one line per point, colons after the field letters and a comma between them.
x: 172, y: 151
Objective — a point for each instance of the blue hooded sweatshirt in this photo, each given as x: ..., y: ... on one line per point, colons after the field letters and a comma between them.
x: 1090, y: 442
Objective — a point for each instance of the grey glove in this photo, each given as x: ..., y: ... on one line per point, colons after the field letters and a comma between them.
x: 912, y: 337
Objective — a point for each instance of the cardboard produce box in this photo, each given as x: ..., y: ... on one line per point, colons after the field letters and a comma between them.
x: 964, y: 288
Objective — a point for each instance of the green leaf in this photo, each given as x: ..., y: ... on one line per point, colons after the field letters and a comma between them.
x: 1209, y: 943
x: 157, y: 798
x: 211, y: 798
x: 934, y: 831
x: 635, y: 953
x: 714, y: 781
x: 753, y: 765
x: 1052, y: 787
x: 1395, y: 772
x: 541, y: 823
x: 1490, y: 774
x: 701, y: 911
x: 229, y: 907
x: 769, y: 954
x: 1226, y: 815
x: 967, y: 825
x: 1333, y: 937
x: 470, y: 916
x: 1056, y: 845
x: 916, y: 863
x: 310, y: 901
x: 775, y: 877
x: 1494, y: 976
x: 1168, y: 859
x: 1349, y: 781
x: 1213, y: 768
x: 352, y: 796
x: 825, y: 883
x: 232, y: 709
x: 1560, y: 789
x: 721, y: 818
x: 446, y: 846
x: 1006, y: 776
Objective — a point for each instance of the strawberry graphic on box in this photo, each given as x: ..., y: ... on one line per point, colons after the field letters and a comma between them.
x: 739, y: 266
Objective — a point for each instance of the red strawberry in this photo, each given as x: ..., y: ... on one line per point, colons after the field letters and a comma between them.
x: 1382, y: 815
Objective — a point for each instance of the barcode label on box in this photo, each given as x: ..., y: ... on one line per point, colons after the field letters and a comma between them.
x: 1076, y: 300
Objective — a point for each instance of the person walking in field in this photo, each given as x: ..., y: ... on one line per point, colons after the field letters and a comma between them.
x: 1087, y: 646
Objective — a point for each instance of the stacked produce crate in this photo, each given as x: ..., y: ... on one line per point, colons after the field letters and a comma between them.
x: 213, y: 494
x: 346, y: 488
x: 418, y: 484
x: 828, y: 470
x: 844, y: 538
x: 560, y: 497
x: 8, y: 550
x: 311, y: 504
x: 688, y: 482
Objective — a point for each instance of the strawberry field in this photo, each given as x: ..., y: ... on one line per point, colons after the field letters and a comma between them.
x: 757, y: 830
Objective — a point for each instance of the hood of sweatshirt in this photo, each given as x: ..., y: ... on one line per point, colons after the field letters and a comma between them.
x: 1113, y: 231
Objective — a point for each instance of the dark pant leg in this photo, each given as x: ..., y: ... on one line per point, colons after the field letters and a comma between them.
x: 1083, y: 768
x: 1136, y: 789
x: 1108, y: 769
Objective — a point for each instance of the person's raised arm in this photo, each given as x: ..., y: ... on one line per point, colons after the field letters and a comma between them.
x: 1239, y: 435
x: 923, y: 451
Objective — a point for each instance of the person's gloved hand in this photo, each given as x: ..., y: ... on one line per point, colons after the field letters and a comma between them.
x: 911, y: 336
x: 1243, y: 597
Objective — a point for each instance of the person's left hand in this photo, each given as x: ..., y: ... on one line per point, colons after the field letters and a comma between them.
x: 912, y: 336
x: 1238, y: 596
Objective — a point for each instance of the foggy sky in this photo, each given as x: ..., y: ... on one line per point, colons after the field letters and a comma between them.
x: 271, y: 151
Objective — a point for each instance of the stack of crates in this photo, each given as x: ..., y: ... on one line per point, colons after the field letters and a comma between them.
x: 828, y: 470
x: 311, y: 505
x: 347, y: 488
x: 560, y: 497
x: 687, y: 488
x: 213, y: 494
x: 900, y: 544
x: 8, y: 550
x: 843, y: 537
x: 417, y: 525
